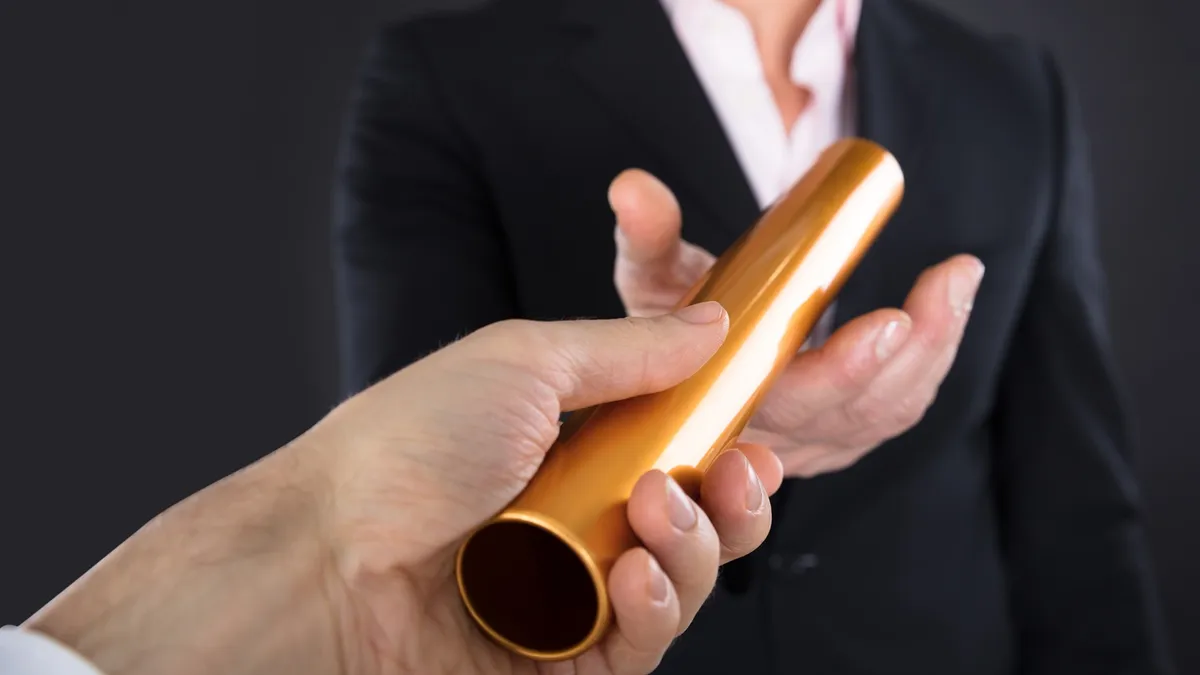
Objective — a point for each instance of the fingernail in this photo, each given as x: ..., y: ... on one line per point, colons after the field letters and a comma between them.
x: 705, y: 312
x: 963, y: 285
x: 679, y: 507
x: 755, y: 494
x: 889, y: 339
x: 659, y: 586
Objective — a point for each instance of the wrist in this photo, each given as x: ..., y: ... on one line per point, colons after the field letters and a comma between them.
x: 235, y: 579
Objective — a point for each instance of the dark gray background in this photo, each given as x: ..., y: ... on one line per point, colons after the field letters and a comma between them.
x: 166, y: 306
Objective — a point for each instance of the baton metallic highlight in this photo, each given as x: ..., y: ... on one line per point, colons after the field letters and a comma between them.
x: 535, y: 577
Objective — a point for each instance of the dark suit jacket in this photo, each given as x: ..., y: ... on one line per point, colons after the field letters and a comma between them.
x: 1002, y: 533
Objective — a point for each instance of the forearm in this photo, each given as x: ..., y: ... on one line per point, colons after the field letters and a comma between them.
x: 229, y: 581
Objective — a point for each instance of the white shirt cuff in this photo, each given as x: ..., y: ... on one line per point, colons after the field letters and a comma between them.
x: 25, y: 652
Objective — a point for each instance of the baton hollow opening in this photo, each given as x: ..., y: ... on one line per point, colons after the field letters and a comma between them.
x: 532, y: 589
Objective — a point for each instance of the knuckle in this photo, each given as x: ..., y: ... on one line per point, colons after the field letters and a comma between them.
x: 809, y: 463
x: 505, y: 333
x: 837, y: 461
x: 774, y: 416
x: 876, y: 417
x: 908, y: 412
x: 529, y: 353
x: 865, y: 413
x: 846, y: 459
x: 806, y: 470
x: 933, y: 343
x: 738, y: 540
x: 640, y: 299
x: 850, y: 376
x: 537, y: 428
x: 500, y: 343
x: 786, y: 413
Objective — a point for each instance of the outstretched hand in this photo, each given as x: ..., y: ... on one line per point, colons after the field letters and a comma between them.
x: 872, y: 380
x: 335, y: 555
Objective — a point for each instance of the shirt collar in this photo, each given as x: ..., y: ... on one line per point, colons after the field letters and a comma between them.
x: 822, y: 54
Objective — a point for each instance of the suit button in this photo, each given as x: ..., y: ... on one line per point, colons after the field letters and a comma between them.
x: 803, y: 563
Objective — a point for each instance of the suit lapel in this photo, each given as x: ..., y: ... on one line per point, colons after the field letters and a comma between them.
x: 897, y: 100
x: 628, y: 55
x: 897, y: 105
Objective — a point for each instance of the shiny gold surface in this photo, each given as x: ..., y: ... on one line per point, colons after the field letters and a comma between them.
x: 534, y: 579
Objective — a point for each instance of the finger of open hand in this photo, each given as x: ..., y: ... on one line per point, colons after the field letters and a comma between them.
x: 940, y: 304
x: 809, y: 394
x: 654, y: 289
x: 807, y: 461
x: 648, y: 217
x: 654, y: 268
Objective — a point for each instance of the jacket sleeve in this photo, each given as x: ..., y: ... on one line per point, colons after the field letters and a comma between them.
x: 419, y: 258
x: 1083, y: 596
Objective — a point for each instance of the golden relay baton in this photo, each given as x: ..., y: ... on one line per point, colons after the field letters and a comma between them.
x: 535, y: 577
